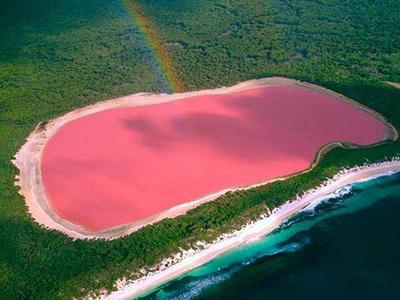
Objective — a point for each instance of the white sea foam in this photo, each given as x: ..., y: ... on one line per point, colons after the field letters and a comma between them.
x: 390, y: 173
x: 346, y: 190
x: 196, y: 286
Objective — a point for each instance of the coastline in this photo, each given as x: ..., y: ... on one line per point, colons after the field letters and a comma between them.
x: 182, y: 263
x: 28, y: 158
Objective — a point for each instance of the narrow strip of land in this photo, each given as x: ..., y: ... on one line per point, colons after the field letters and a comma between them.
x: 252, y: 232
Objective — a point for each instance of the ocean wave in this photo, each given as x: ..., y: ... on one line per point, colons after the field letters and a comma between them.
x: 282, y: 248
x: 336, y: 195
x: 199, y: 284
x: 321, y: 205
x: 290, y: 247
x: 330, y: 201
x: 389, y: 173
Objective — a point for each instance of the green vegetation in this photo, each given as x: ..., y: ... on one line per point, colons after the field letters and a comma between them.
x: 59, y: 55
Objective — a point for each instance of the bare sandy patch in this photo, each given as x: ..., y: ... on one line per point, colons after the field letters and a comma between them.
x: 394, y: 84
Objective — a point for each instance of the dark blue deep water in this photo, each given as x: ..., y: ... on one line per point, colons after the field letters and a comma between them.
x: 346, y: 247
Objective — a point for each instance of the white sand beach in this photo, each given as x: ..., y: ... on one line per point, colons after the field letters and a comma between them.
x: 193, y: 258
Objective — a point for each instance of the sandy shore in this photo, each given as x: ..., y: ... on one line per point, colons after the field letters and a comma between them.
x: 189, y: 260
x: 394, y: 84
x: 28, y: 158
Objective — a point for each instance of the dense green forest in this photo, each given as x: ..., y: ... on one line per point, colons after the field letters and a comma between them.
x: 59, y: 55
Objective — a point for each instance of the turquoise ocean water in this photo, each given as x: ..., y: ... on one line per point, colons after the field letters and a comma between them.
x: 346, y: 247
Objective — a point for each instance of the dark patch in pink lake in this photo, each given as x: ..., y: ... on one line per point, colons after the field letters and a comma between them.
x: 123, y: 165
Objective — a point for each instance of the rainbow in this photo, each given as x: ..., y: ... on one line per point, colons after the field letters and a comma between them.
x: 151, y: 36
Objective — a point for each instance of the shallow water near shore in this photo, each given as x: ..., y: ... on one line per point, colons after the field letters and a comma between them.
x: 346, y: 246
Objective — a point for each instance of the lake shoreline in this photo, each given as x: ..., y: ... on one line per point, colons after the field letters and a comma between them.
x: 29, y: 158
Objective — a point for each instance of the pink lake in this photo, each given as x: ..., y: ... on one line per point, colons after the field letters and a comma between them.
x: 122, y: 165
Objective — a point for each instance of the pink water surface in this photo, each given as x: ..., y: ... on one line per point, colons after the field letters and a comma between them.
x: 122, y: 165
